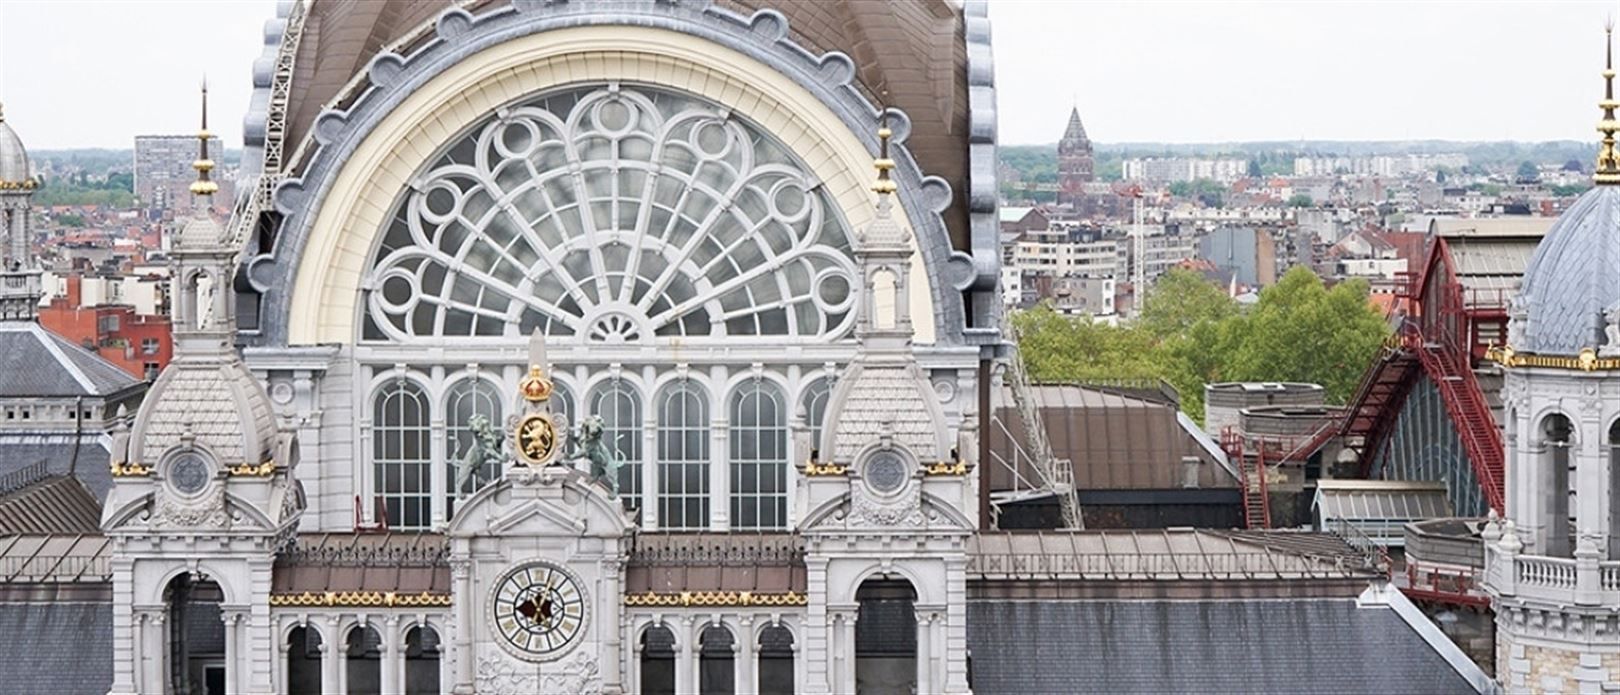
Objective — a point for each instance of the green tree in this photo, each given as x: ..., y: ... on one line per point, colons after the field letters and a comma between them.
x: 1528, y: 172
x: 1302, y: 331
x: 1254, y: 169
x: 70, y: 220
x: 1064, y: 348
x: 1300, y: 200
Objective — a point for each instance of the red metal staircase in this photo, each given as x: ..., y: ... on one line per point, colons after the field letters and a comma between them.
x: 1465, y: 403
x: 1251, y: 478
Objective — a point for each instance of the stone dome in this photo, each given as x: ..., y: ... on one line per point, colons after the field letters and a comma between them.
x: 201, y: 232
x: 13, y: 157
x: 1573, y: 277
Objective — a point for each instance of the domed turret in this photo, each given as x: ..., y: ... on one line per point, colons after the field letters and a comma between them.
x: 13, y: 158
x: 1571, y: 292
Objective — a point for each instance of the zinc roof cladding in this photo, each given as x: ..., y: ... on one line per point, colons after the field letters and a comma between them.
x: 54, y: 559
x: 882, y: 397
x: 57, y: 647
x: 913, y: 52
x: 1397, y: 500
x: 1328, y: 646
x: 1574, y: 276
x: 1114, y: 441
x: 13, y: 157
x: 87, y: 462
x: 762, y: 563
x: 404, y: 563
x: 55, y: 505
x: 37, y: 363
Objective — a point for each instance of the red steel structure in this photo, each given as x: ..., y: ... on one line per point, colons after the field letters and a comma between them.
x: 1440, y: 338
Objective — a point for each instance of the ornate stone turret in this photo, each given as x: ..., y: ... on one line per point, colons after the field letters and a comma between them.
x: 885, y: 475
x: 19, y: 271
x: 1553, y: 561
x: 203, y: 483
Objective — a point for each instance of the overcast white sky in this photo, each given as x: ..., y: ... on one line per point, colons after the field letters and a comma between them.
x: 81, y: 73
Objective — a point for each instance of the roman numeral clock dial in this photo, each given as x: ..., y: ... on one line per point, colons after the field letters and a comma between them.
x: 539, y: 611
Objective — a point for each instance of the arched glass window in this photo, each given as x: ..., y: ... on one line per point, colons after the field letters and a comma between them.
x: 303, y: 661
x: 814, y: 401
x: 562, y: 402
x: 422, y: 661
x: 617, y: 214
x: 1556, y: 437
x: 683, y: 456
x: 402, y: 453
x: 776, y: 661
x: 1614, y: 491
x: 363, y: 661
x: 717, y: 662
x: 467, y: 398
x: 619, y: 405
x: 758, y: 456
x: 658, y: 661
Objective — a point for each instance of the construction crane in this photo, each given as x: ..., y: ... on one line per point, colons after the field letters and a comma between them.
x: 1052, y: 477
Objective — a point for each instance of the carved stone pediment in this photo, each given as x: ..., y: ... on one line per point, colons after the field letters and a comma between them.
x: 499, y: 674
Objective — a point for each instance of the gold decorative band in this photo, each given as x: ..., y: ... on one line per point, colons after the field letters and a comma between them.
x: 947, y: 468
x: 262, y: 470
x: 717, y: 598
x: 1586, y: 361
x: 812, y: 468
x: 360, y: 599
x: 129, y: 470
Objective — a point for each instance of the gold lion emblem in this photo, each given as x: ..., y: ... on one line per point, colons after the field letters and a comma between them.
x: 537, y: 439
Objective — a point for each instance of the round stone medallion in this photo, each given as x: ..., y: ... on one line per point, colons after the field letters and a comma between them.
x: 189, y: 473
x: 886, y: 471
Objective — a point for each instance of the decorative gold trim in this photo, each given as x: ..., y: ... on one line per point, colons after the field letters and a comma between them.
x: 1586, y: 361
x: 704, y: 599
x: 535, y: 387
x: 358, y: 599
x: 262, y: 470
x: 813, y: 469
x: 947, y: 468
x: 28, y: 184
x: 536, y: 437
x: 129, y: 470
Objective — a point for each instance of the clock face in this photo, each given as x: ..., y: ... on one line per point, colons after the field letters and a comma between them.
x: 539, y: 610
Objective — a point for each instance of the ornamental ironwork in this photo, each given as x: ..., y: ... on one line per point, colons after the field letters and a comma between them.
x: 616, y: 214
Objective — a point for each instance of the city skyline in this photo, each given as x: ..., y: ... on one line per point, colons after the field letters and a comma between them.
x: 1407, y: 72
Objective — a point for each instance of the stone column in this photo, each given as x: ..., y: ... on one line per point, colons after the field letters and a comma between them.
x: 610, y: 624
x: 154, y: 648
x: 816, y: 637
x: 462, y: 646
x: 744, y: 662
x: 139, y: 650
x: 685, y: 657
x: 719, y: 451
x: 846, y: 650
x: 233, y: 652
x: 257, y: 631
x: 124, y: 656
x: 925, y: 651
x: 390, y: 654
x: 284, y: 668
x: 954, y: 626
x: 332, y: 657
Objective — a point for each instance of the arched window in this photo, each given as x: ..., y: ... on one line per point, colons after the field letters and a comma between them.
x: 1556, y: 438
x: 422, y: 661
x: 619, y: 405
x: 1614, y: 491
x: 468, y: 398
x: 814, y: 401
x: 363, y: 661
x: 758, y: 456
x: 776, y: 661
x: 886, y: 637
x: 562, y: 403
x: 303, y: 661
x: 402, y: 453
x: 717, y: 662
x: 683, y: 456
x: 615, y: 214
x: 658, y: 661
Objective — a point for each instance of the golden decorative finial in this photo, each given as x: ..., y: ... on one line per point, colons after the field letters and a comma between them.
x: 884, y: 163
x: 1608, y: 161
x: 203, y: 165
x: 2, y: 113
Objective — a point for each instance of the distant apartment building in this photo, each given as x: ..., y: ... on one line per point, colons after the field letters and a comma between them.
x: 1380, y: 165
x: 1248, y: 253
x: 1164, y: 247
x: 143, y: 293
x: 1169, y: 170
x: 140, y: 343
x: 1225, y: 215
x: 163, y: 172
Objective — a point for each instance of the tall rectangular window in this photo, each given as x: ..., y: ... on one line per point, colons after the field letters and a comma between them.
x: 758, y: 457
x: 402, y: 454
x: 683, y: 457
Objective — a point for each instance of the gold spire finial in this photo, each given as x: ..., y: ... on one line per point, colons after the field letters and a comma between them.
x: 2, y: 113
x: 884, y: 163
x: 1608, y: 161
x: 203, y: 165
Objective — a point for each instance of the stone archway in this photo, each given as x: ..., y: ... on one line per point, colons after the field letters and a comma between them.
x: 195, y: 648
x: 886, y: 637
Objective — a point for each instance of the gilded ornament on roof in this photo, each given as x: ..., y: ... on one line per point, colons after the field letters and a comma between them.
x: 537, y: 439
x: 535, y: 387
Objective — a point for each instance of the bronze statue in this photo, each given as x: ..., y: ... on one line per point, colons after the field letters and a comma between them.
x: 588, y: 444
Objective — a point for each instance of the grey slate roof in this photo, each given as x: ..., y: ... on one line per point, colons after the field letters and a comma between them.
x: 37, y: 363
x: 1294, y: 646
x: 873, y: 397
x: 1574, y: 276
x: 58, y: 455
x: 55, y: 505
x: 57, y: 647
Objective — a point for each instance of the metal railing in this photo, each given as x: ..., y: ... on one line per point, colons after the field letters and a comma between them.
x: 23, y: 477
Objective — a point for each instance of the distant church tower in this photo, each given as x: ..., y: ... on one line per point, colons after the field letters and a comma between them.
x: 1076, y: 165
x: 1553, y: 564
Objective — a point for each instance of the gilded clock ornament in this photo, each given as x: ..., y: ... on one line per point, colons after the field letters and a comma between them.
x: 537, y: 439
x: 538, y: 610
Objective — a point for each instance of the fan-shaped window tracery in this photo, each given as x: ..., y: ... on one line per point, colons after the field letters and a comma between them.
x: 613, y: 214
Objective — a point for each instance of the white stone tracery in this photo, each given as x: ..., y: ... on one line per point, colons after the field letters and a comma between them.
x: 615, y: 214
